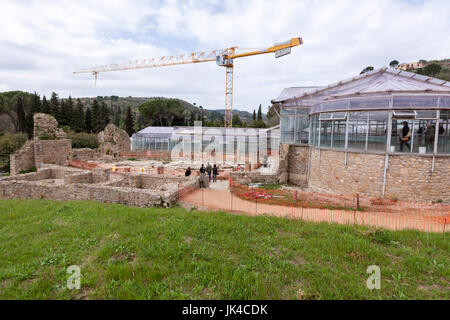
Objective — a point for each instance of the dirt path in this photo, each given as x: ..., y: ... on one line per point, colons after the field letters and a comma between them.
x: 219, y: 199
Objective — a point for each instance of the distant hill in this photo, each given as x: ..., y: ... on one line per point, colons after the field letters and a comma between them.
x: 134, y: 102
x: 444, y: 74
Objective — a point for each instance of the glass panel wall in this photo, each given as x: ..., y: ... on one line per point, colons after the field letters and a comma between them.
x: 378, y: 128
x: 325, y: 133
x: 444, y: 133
x: 338, y: 139
x: 357, y: 131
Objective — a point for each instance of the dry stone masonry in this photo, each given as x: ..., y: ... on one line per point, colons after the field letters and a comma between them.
x: 64, y: 184
x: 49, y: 146
x: 114, y: 140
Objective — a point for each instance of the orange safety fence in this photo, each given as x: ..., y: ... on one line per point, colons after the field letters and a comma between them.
x: 321, y: 207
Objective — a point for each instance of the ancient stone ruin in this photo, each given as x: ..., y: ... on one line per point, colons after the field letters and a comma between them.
x: 49, y: 146
x: 113, y: 140
x: 46, y: 127
x: 65, y: 184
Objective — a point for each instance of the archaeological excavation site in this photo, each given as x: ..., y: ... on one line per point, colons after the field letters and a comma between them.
x: 58, y: 175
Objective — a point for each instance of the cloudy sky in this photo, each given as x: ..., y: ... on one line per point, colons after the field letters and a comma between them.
x: 43, y: 42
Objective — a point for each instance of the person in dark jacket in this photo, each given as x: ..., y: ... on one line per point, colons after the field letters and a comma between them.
x: 208, y: 171
x: 202, y: 169
x: 405, y: 135
x: 188, y: 172
x: 215, y: 172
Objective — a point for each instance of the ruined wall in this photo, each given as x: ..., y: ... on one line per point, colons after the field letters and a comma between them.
x: 23, y: 159
x: 52, y: 152
x: 46, y: 126
x: 113, y: 140
x: 83, y: 154
x: 409, y: 177
x: 64, y: 184
x: 253, y: 177
x: 283, y: 166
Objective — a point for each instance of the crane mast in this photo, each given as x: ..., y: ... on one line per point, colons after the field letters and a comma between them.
x: 223, y: 58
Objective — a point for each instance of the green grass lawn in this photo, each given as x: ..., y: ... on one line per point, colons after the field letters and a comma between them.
x: 133, y: 253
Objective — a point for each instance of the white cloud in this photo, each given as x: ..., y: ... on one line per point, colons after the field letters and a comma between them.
x: 42, y: 42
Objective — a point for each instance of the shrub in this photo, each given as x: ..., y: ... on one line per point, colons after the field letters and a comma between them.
x: 83, y: 140
x: 10, y: 143
x: 47, y: 137
x: 33, y: 169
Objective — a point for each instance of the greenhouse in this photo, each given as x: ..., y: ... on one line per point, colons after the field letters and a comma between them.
x: 206, y: 139
x: 382, y: 133
x: 370, y: 113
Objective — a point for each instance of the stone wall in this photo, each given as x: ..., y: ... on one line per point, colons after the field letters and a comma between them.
x: 409, y: 177
x: 298, y: 165
x: 64, y: 184
x: 46, y: 126
x: 113, y: 140
x: 83, y: 154
x: 253, y: 177
x: 23, y: 159
x: 52, y: 152
x: 283, y: 167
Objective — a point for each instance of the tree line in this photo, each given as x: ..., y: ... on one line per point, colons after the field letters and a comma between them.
x: 71, y: 115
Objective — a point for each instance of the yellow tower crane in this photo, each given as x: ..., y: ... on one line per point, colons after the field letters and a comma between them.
x: 223, y: 58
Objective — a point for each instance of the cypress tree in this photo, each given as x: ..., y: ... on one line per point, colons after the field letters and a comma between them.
x: 20, y: 115
x: 45, y: 106
x: 129, y: 122
x: 69, y: 116
x: 63, y: 113
x: 96, y: 117
x: 79, y: 117
x: 116, y: 118
x: 55, y: 107
x: 35, y: 107
x: 104, y: 115
x: 88, y: 121
x: 259, y: 113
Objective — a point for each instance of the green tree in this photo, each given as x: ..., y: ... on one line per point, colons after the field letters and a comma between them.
x: 432, y: 69
x: 34, y: 108
x: 88, y: 121
x: 116, y: 117
x: 393, y: 64
x: 367, y: 69
x: 163, y: 112
x: 79, y: 117
x: 97, y: 122
x: 254, y: 115
x: 237, y: 121
x: 20, y: 110
x: 45, y: 106
x: 69, y: 115
x: 104, y: 116
x: 129, y: 122
x: 259, y: 113
x: 55, y: 107
x: 274, y: 110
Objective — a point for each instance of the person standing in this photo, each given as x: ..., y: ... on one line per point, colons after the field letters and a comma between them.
x: 202, y: 177
x: 215, y: 172
x: 405, y: 135
x: 208, y: 170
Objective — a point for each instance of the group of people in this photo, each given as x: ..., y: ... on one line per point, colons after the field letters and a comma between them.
x: 427, y: 134
x: 212, y: 172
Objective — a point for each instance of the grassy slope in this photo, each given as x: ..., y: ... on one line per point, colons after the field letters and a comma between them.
x: 175, y: 254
